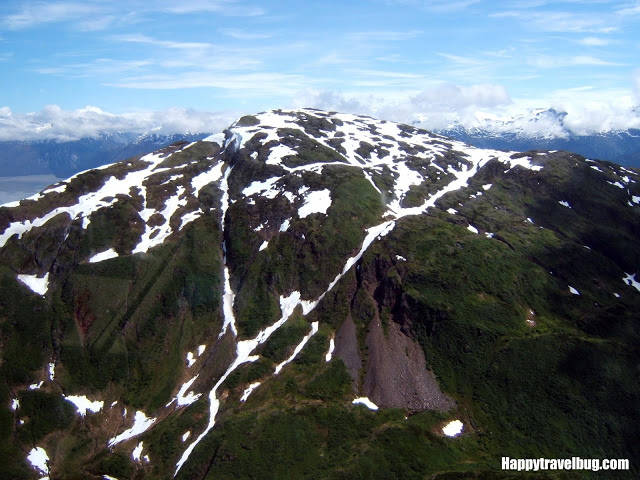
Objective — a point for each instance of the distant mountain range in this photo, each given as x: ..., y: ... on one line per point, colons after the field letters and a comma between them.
x: 542, y: 129
x: 546, y: 129
x: 62, y: 159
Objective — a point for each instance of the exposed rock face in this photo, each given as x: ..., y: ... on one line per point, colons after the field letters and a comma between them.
x: 397, y: 374
x: 348, y: 351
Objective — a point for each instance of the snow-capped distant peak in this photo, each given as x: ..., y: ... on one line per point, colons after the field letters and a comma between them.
x: 46, y: 126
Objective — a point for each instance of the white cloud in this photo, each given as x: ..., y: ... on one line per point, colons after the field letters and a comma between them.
x: 629, y: 10
x: 437, y: 107
x: 244, y: 35
x: 385, y: 35
x: 587, y: 115
x: 99, y: 15
x: 594, y: 41
x: 34, y: 14
x: 139, y: 38
x: 545, y: 61
x: 249, y: 85
x: 225, y: 7
x: 434, y: 107
x: 563, y: 22
x: 588, y: 110
x: 99, y: 66
x: 460, y: 60
x: 636, y: 86
x: 64, y: 125
x: 436, y: 6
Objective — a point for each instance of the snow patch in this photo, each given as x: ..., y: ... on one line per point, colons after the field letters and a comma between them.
x: 215, y: 138
x: 228, y: 299
x: 366, y: 402
x: 452, y: 211
x: 264, y: 245
x: 631, y: 281
x: 205, y: 178
x: 573, y: 290
x: 39, y: 460
x: 189, y: 217
x: 52, y: 371
x: 285, y: 225
x: 564, y: 203
x: 58, y: 189
x: 35, y: 386
x: 278, y: 153
x: 472, y: 229
x: 453, y: 428
x: 190, y: 359
x: 154, y: 236
x: 186, y: 435
x: 137, y: 452
x: 106, y: 255
x: 190, y: 398
x: 524, y: 162
x: 248, y: 391
x: 299, y: 347
x: 266, y: 188
x: 141, y: 423
x: 83, y: 404
x: 487, y: 186
x: 37, y: 285
x: 332, y: 347
x: 315, y: 202
x: 15, y: 404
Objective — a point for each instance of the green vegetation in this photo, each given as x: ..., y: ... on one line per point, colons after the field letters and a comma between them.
x: 292, y: 262
x: 45, y: 413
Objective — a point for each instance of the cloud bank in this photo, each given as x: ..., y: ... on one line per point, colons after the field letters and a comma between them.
x: 490, y: 107
x: 439, y: 107
x: 53, y: 123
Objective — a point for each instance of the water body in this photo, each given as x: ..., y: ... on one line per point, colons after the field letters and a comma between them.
x: 17, y: 188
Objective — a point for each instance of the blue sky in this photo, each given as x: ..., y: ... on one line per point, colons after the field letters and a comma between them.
x: 400, y: 59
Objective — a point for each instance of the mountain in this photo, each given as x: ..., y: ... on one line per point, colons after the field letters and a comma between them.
x: 322, y: 295
x: 63, y: 159
x: 546, y: 129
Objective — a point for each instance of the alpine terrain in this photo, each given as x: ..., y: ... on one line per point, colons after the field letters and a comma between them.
x: 322, y: 295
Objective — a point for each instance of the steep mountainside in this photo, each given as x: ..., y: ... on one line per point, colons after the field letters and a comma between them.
x: 317, y: 295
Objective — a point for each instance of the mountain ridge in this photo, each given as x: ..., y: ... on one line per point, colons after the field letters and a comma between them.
x: 436, y: 270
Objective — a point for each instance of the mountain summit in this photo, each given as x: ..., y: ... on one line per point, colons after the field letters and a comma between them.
x: 321, y: 295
